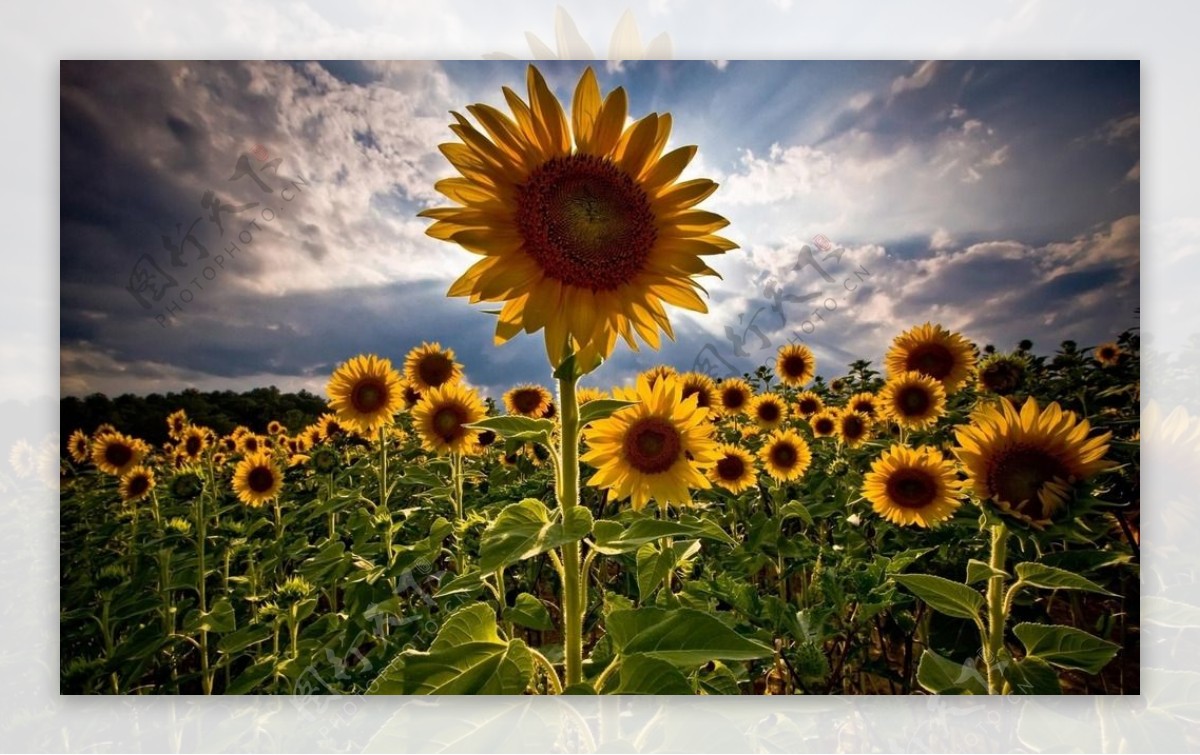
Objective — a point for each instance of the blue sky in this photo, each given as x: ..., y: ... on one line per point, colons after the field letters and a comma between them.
x: 1001, y: 199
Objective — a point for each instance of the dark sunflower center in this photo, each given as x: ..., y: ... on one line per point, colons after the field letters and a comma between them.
x: 808, y: 406
x: 586, y: 222
x: 411, y: 395
x: 652, y: 445
x: 487, y: 438
x: 448, y: 422
x: 369, y: 395
x: 251, y: 444
x: 823, y: 426
x: 932, y: 359
x: 435, y: 369
x: 138, y: 485
x: 527, y: 400
x: 912, y: 488
x: 733, y: 398
x: 913, y: 400
x: 795, y: 366
x: 852, y: 427
x: 703, y: 400
x: 768, y: 411
x: 1001, y: 377
x: 865, y: 407
x: 261, y: 479
x: 118, y: 454
x: 1108, y: 353
x: 192, y: 445
x: 784, y: 455
x: 1018, y: 476
x: 731, y: 468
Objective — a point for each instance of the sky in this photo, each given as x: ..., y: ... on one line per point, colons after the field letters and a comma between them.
x: 231, y: 225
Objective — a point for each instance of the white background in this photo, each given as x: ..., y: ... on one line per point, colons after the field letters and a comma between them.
x: 35, y: 36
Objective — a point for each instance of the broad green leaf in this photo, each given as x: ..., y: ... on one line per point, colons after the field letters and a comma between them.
x: 235, y: 642
x: 685, y: 637
x: 943, y: 676
x: 718, y: 680
x: 981, y: 571
x: 530, y: 612
x: 1066, y: 647
x: 517, y: 428
x: 1052, y: 578
x: 600, y: 409
x: 249, y: 680
x: 469, y: 583
x: 613, y: 537
x: 905, y: 559
x: 795, y: 509
x: 653, y: 564
x: 647, y: 675
x: 1032, y: 676
x: 523, y: 530
x: 945, y: 595
x: 219, y: 619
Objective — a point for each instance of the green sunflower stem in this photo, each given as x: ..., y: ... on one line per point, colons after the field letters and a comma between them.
x: 568, y: 498
x: 997, y: 614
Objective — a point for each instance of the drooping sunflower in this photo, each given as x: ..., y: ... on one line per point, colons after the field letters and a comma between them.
x: 1026, y: 462
x: 932, y: 350
x: 702, y: 387
x: 768, y: 410
x: 808, y: 403
x: 785, y: 455
x: 115, y: 453
x: 256, y: 479
x: 442, y: 416
x: 795, y: 365
x: 365, y: 393
x: 1108, y: 354
x: 824, y: 423
x: 192, y: 444
x: 528, y: 400
x: 734, y: 395
x: 864, y: 403
x: 79, y: 446
x: 913, y: 399
x: 853, y: 428
x: 1002, y: 374
x: 733, y: 470
x: 177, y: 422
x: 654, y: 449
x: 431, y: 366
x: 136, y: 484
x: 583, y: 229
x: 908, y: 486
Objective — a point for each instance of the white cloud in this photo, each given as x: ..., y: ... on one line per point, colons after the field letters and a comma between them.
x: 918, y: 79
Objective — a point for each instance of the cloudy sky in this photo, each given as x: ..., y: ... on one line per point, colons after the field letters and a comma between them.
x: 1001, y: 199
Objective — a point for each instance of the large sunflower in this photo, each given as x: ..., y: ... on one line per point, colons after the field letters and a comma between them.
x: 768, y: 410
x: 913, y: 486
x: 256, y: 479
x: 702, y: 387
x: 115, y: 453
x: 1002, y: 374
x: 864, y: 403
x: 654, y: 449
x: 177, y: 422
x: 430, y: 366
x: 1026, y: 462
x: 136, y: 484
x: 79, y: 446
x: 734, y: 395
x: 932, y: 350
x: 192, y: 444
x: 824, y: 423
x: 795, y: 365
x: 808, y: 403
x: 583, y: 229
x: 528, y: 401
x: 853, y: 428
x: 733, y: 470
x: 913, y: 399
x: 785, y: 455
x: 442, y: 415
x: 365, y: 392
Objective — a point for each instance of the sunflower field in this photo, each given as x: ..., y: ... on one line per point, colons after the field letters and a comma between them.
x: 952, y: 519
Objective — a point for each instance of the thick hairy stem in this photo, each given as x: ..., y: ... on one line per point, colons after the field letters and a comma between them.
x: 568, y: 499
x: 997, y: 615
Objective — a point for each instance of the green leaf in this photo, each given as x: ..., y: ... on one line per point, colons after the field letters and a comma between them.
x: 646, y: 675
x: 612, y: 537
x: 1032, y: 676
x: 579, y: 688
x: 1066, y: 647
x: 526, y: 529
x: 530, y: 612
x: 944, y: 595
x: 517, y: 428
x: 905, y: 559
x: 685, y: 637
x: 466, y: 658
x: 795, y: 509
x: 653, y: 564
x: 943, y: 676
x: 466, y: 584
x: 235, y: 642
x: 979, y: 571
x: 600, y: 409
x: 253, y: 676
x: 718, y: 680
x: 1052, y: 578
x: 220, y: 619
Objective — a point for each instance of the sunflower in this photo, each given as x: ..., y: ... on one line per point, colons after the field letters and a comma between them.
x: 256, y: 479
x: 177, y: 422
x: 654, y: 449
x: 1027, y: 461
x: 824, y: 423
x: 329, y: 429
x: 79, y: 446
x: 768, y: 410
x: 528, y: 401
x: 583, y: 230
x: 932, y: 350
x: 136, y: 484
x: 853, y: 428
x: 115, y: 453
x: 864, y: 403
x: 251, y: 443
x: 785, y: 455
x: 701, y: 386
x: 913, y: 399
x: 734, y: 395
x: 1002, y: 374
x: 275, y: 427
x: 411, y: 393
x: 733, y: 469
x: 808, y: 403
x: 795, y: 365
x: 430, y: 366
x: 365, y: 393
x: 583, y: 395
x: 192, y: 444
x: 913, y: 486
x: 442, y: 416
x: 1108, y: 354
